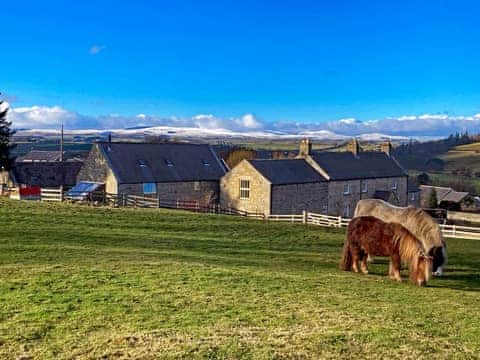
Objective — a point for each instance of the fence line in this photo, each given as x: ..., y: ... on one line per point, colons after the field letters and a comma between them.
x: 145, y: 201
x: 51, y: 194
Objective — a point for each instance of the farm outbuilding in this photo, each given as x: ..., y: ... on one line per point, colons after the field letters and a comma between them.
x: 274, y: 187
x: 168, y: 171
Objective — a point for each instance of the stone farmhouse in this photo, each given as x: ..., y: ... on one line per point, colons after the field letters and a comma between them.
x: 274, y: 187
x: 185, y: 172
x: 354, y: 175
x: 343, y: 178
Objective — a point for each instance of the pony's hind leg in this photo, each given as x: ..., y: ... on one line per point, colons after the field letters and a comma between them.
x: 364, y: 263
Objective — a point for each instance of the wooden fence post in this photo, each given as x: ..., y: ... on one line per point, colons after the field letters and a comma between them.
x: 340, y: 221
x: 305, y: 217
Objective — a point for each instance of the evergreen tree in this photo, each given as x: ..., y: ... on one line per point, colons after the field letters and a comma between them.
x: 6, y: 133
x: 432, y: 199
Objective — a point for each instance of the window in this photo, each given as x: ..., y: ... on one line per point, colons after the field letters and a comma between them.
x: 346, y: 210
x: 149, y: 188
x: 325, y: 209
x: 168, y: 162
x: 142, y: 163
x: 244, y: 189
x: 364, y: 186
x: 395, y: 186
x: 196, y: 186
x: 346, y: 189
x: 205, y: 163
x: 412, y: 198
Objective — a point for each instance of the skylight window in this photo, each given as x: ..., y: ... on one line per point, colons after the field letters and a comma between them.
x: 168, y: 162
x: 142, y: 163
x: 205, y: 163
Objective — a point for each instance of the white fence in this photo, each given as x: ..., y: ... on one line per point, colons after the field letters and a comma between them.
x: 449, y: 231
x: 55, y: 194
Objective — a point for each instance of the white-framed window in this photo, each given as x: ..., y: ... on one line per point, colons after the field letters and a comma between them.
x: 196, y: 186
x: 346, y: 210
x: 395, y: 186
x: 325, y: 209
x: 364, y: 186
x: 244, y: 189
x: 149, y: 188
x: 346, y: 189
x: 412, y: 197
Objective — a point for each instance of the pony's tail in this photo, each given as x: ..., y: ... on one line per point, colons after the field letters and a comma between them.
x: 346, y: 263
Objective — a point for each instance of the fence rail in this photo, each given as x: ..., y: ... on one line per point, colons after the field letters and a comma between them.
x: 142, y: 201
x: 54, y: 194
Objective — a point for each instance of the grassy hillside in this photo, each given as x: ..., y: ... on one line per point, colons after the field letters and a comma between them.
x: 464, y: 156
x: 86, y: 282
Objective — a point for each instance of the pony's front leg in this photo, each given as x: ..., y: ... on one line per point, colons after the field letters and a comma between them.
x: 394, y: 268
x: 355, y: 259
x: 439, y: 271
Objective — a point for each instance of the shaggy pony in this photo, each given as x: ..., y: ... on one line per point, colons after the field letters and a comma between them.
x: 417, y: 221
x: 368, y: 235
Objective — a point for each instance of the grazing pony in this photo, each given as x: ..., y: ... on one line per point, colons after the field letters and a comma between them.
x: 367, y: 235
x: 417, y: 221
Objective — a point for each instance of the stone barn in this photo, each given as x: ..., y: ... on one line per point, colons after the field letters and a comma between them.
x: 169, y: 171
x: 274, y: 187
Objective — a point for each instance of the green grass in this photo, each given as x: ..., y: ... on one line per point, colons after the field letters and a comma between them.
x: 464, y: 156
x: 80, y: 282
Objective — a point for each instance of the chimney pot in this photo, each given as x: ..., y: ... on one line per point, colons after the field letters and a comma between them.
x: 305, y: 147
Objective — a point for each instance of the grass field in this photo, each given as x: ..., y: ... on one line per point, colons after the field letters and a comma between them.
x: 79, y: 282
x: 463, y: 156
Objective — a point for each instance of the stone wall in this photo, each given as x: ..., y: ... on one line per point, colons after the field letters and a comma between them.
x: 205, y: 192
x: 294, y: 198
x: 344, y: 204
x: 259, y: 200
x: 95, y: 168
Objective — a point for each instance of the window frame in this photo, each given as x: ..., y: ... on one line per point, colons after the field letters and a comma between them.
x: 244, y: 189
x: 348, y: 191
x: 153, y: 185
x: 364, y: 186
x: 395, y: 186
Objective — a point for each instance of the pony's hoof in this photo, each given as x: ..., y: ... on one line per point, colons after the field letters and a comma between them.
x: 438, y: 273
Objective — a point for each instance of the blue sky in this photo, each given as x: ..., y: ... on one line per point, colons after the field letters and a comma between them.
x: 283, y: 61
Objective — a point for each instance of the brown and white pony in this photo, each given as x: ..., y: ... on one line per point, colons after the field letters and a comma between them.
x: 367, y: 235
x: 417, y: 221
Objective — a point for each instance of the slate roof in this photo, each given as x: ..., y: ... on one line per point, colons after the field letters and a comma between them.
x: 444, y: 193
x: 46, y: 174
x: 366, y: 165
x: 40, y: 155
x: 167, y: 162
x: 288, y: 171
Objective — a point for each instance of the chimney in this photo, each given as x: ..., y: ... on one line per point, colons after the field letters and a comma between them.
x: 387, y: 148
x: 305, y: 147
x: 353, y: 147
x: 109, y: 147
x: 61, y: 145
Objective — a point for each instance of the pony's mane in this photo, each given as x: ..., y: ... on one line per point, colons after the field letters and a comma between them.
x: 426, y: 226
x: 410, y: 248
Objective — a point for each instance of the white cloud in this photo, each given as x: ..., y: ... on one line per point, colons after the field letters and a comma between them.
x: 44, y: 117
x: 249, y: 121
x: 96, y: 49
